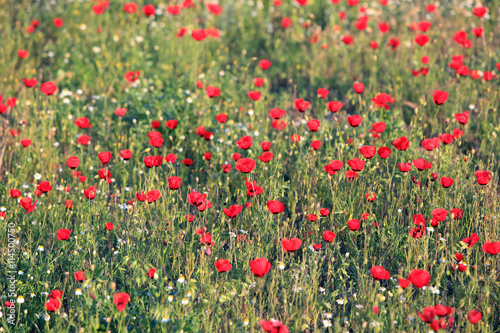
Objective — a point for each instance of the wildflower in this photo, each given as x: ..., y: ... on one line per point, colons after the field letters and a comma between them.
x: 434, y: 290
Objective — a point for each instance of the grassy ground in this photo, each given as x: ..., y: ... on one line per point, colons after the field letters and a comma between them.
x: 334, y: 288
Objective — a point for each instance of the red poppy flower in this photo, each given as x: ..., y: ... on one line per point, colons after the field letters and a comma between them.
x: 479, y: 11
x: 223, y: 265
x: 421, y: 164
x: 440, y: 214
x: 44, y: 187
x: 149, y: 10
x: 354, y: 224
x: 291, y: 245
x: 254, y: 95
x: 333, y: 167
x: 384, y: 152
x: 322, y: 92
x: 367, y: 151
x: 22, y: 53
x: 212, y: 91
x: 312, y: 217
x: 334, y: 106
x: 316, y: 144
x: 245, y: 165
x: 355, y: 120
x: 73, y: 162
x: 196, y: 199
x: 83, y: 122
x: 30, y: 83
x: 126, y: 154
x: 58, y: 22
x: 174, y: 182
x: 27, y: 203
x: 295, y: 138
x: 380, y: 273
x: 104, y: 157
x: 403, y: 283
x: 258, y: 81
x: 15, y: 193
x: 482, y: 177
x: 301, y: 105
x: 48, y: 88
x: 313, y: 125
x: 79, y: 276
x: 440, y: 96
x: 151, y: 273
x: 328, y: 236
x: 153, y: 195
x: 171, y: 123
x: 356, y: 164
x: 492, y: 248
x: 358, y: 87
x: 277, y: 113
x: 401, y: 143
x: 53, y: 304
x: 25, y: 142
x: 266, y: 156
x: 474, y: 316
x: 265, y: 64
x: 121, y: 300
x: 233, y: 211
x: 446, y: 138
x: 120, y: 112
x: 351, y: 175
x: 63, y: 234
x: 273, y: 326
x: 130, y: 8
x: 383, y: 27
x: 171, y: 158
x: 419, y: 278
x: 428, y: 144
x: 446, y: 182
x: 199, y: 35
x: 245, y: 142
x: 109, y: 226
x: 423, y: 26
x: 260, y: 267
x: 90, y: 193
x: 394, y: 43
x: 382, y: 100
x: 472, y: 240
x: 347, y: 39
x: 275, y: 207
x: 132, y: 76
x: 221, y: 118
x: 286, y: 22
x: 422, y: 39
x: 187, y: 162
x: 253, y: 189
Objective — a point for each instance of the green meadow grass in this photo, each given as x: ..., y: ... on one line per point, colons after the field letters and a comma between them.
x: 313, y: 291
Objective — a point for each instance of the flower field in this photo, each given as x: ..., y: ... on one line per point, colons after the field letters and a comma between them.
x: 250, y: 166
